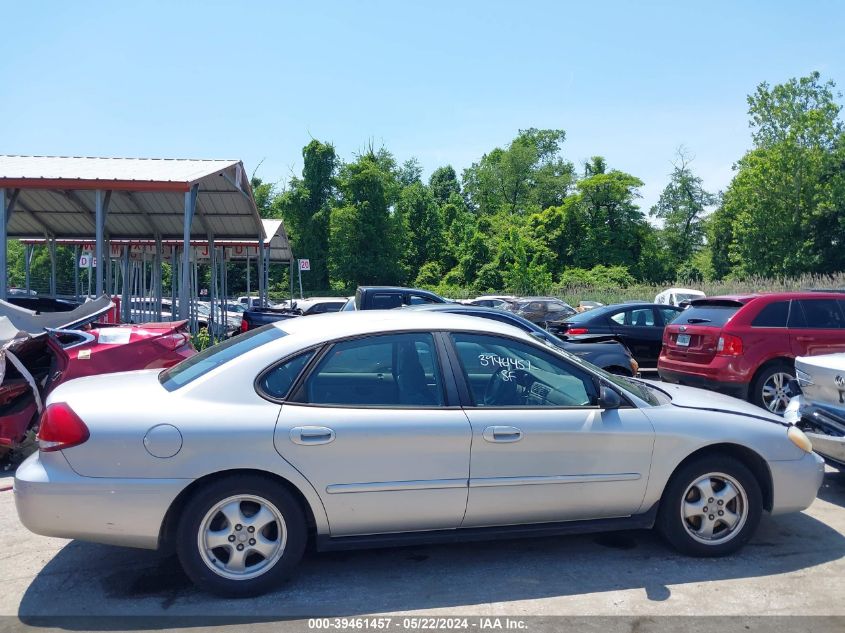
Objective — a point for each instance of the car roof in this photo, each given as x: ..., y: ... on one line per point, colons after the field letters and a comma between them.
x: 345, y: 324
x: 775, y: 296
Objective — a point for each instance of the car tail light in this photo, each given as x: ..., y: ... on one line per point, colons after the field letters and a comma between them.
x: 577, y: 330
x: 244, y: 325
x: 60, y: 428
x: 729, y: 345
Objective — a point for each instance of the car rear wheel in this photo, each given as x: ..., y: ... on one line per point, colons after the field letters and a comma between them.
x: 711, y: 507
x: 241, y: 536
x: 770, y: 389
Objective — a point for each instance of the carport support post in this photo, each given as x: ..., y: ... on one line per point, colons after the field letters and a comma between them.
x: 261, y: 288
x: 184, y: 288
x: 4, y: 225
x: 157, y: 277
x: 76, y: 272
x: 174, y: 276
x: 101, y: 205
x: 212, y: 288
x: 27, y: 264
x: 127, y: 291
x: 247, y: 275
x: 52, y: 249
x: 291, y: 279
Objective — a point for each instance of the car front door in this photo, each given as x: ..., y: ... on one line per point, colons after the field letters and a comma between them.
x: 542, y: 448
x: 370, y: 428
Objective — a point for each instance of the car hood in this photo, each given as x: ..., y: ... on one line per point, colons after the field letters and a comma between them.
x: 693, y: 398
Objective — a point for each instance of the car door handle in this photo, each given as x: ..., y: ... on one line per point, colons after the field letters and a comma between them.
x: 804, y: 339
x: 308, y: 435
x: 502, y: 434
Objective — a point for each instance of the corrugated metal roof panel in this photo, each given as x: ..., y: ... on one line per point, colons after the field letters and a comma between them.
x: 95, y: 168
x: 49, y: 203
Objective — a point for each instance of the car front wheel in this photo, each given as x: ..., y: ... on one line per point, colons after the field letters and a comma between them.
x: 711, y: 507
x: 241, y: 536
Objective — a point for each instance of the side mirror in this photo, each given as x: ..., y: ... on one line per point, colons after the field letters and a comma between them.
x: 608, y: 398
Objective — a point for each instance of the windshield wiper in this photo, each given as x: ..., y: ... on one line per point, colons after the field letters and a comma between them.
x: 698, y: 320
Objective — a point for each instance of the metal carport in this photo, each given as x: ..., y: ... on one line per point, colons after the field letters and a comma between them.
x: 130, y: 199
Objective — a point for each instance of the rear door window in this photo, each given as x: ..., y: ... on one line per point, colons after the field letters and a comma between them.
x: 669, y: 314
x: 773, y: 315
x: 708, y: 314
x: 395, y: 370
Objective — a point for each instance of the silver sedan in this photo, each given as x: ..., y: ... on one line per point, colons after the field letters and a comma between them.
x: 374, y: 428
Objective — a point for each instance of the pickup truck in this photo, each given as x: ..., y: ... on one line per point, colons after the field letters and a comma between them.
x: 366, y: 298
x: 389, y: 297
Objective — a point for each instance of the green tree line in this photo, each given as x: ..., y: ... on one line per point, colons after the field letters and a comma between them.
x: 524, y: 218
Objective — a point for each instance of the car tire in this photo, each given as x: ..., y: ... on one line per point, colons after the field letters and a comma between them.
x: 241, y: 536
x: 772, y: 377
x: 687, y: 515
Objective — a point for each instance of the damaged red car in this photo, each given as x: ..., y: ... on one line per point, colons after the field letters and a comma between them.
x: 32, y: 365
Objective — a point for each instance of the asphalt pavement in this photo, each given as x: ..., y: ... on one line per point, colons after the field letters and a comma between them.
x: 794, y: 566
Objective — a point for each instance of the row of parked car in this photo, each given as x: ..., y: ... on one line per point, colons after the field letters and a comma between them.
x: 744, y: 346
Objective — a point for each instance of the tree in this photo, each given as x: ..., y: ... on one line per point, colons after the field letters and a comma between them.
x: 528, y: 176
x: 787, y: 201
x: 682, y: 206
x: 423, y: 223
x: 305, y: 208
x: 365, y: 236
x: 444, y: 183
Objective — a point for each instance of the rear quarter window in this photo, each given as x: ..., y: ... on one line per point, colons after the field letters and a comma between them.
x: 773, y: 315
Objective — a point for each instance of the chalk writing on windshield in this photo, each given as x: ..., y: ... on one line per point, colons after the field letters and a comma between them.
x: 494, y: 360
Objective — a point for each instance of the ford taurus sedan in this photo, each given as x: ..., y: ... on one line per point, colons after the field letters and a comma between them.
x: 367, y: 429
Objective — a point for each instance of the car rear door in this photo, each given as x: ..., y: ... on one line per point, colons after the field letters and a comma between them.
x: 641, y: 331
x: 373, y: 428
x: 816, y: 326
x: 542, y: 449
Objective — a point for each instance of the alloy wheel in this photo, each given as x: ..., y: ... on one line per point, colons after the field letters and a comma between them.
x: 714, y: 508
x: 775, y: 393
x: 242, y: 537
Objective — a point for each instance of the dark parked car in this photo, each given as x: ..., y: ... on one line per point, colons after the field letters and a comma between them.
x: 638, y: 325
x: 390, y: 297
x: 746, y: 346
x: 609, y: 355
x: 542, y: 310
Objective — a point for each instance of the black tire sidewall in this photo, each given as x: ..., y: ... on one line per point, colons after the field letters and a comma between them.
x: 206, y: 497
x: 669, y: 522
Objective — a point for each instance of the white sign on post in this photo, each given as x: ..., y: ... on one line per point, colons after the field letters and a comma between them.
x: 304, y: 264
x: 87, y: 259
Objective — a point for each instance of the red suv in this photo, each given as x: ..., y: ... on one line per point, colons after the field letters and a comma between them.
x: 745, y: 346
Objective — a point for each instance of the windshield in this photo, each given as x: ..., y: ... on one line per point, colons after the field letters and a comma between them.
x: 632, y: 386
x: 217, y: 355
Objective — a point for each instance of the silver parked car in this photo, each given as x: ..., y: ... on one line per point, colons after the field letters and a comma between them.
x: 375, y: 428
x: 820, y: 407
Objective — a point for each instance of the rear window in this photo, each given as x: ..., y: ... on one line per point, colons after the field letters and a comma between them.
x: 217, y: 355
x: 708, y: 315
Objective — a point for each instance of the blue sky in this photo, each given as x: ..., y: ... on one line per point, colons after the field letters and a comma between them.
x: 442, y: 81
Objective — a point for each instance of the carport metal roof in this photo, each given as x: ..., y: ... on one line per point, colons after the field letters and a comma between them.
x: 56, y: 197
x: 128, y: 199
